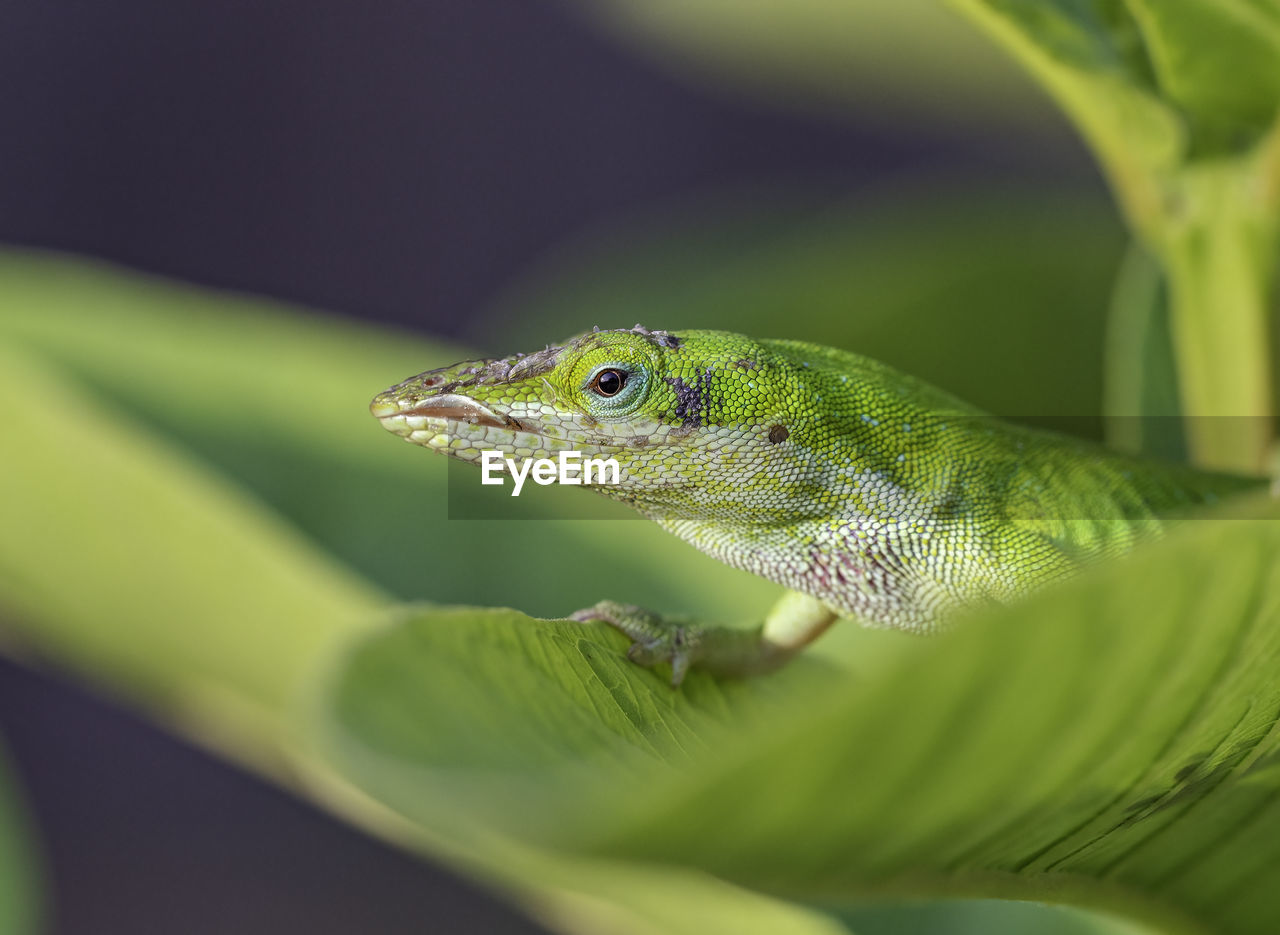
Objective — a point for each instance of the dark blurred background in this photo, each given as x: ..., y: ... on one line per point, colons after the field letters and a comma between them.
x: 405, y: 162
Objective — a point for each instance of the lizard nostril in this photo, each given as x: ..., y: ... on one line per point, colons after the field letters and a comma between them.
x: 383, y: 406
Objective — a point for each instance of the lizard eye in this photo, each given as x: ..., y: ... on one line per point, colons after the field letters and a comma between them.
x: 612, y: 389
x: 608, y: 382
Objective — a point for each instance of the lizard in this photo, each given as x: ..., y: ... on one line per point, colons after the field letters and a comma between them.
x: 864, y: 491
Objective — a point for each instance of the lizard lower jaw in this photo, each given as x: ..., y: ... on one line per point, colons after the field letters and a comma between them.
x: 405, y: 417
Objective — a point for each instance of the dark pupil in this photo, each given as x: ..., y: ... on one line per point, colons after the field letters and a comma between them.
x: 610, y: 382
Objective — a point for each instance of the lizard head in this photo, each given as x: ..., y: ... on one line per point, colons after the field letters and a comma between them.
x: 691, y: 418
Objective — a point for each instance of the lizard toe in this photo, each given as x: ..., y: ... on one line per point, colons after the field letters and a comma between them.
x: 655, y: 640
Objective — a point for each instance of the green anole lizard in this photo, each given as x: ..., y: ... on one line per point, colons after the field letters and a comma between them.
x: 866, y: 492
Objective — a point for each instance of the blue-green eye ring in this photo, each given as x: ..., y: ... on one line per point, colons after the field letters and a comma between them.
x: 615, y: 388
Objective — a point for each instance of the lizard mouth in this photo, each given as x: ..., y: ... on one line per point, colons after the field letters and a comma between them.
x: 401, y: 419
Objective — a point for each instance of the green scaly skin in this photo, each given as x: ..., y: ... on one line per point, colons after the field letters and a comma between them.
x: 868, y: 493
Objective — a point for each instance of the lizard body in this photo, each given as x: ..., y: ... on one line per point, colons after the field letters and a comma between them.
x: 870, y: 493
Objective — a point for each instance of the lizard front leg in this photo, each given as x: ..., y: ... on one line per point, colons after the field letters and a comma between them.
x: 794, y: 622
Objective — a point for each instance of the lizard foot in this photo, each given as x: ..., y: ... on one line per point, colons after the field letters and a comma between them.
x: 655, y: 638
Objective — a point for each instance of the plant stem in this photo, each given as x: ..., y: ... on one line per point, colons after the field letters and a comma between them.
x: 1217, y: 241
x: 1141, y: 382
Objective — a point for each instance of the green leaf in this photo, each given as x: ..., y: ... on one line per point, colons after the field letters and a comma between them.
x: 1180, y: 100
x: 1154, y: 84
x: 1102, y: 744
x: 20, y: 891
x: 1215, y: 61
x: 985, y: 917
x: 559, y: 693
x: 126, y: 558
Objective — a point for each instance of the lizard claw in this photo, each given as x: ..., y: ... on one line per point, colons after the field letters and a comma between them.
x: 655, y: 639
